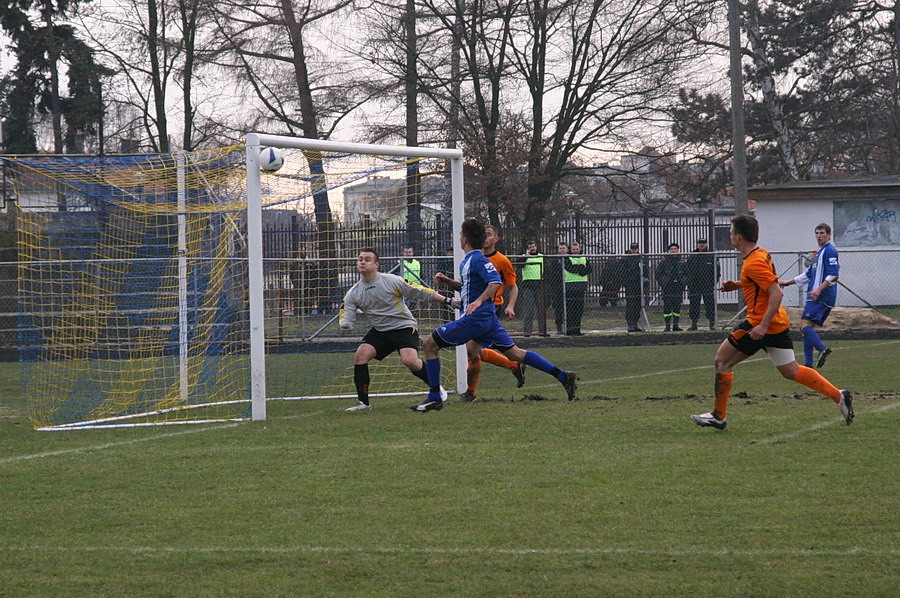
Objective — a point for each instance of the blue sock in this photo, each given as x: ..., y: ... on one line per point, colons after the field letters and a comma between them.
x: 535, y: 360
x: 812, y: 337
x: 433, y: 370
x: 807, y: 347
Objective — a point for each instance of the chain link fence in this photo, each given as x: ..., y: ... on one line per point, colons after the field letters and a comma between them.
x: 620, y: 292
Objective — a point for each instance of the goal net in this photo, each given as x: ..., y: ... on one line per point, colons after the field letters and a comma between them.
x: 132, y: 288
x: 193, y: 287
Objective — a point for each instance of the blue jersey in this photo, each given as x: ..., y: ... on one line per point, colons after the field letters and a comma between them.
x: 824, y: 263
x: 476, y: 272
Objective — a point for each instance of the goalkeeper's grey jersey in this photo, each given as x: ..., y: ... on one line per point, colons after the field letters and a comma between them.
x: 382, y: 300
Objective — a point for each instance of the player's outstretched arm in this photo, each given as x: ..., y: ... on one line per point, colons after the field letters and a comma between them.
x: 730, y: 285
x: 441, y: 279
x: 448, y: 301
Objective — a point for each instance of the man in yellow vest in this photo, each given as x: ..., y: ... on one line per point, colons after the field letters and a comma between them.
x: 410, y: 268
x: 576, y: 270
x: 530, y: 287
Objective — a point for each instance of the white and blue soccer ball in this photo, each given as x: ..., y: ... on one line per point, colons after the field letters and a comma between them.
x: 270, y: 159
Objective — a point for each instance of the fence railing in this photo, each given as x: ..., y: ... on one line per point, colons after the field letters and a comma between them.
x: 297, y: 292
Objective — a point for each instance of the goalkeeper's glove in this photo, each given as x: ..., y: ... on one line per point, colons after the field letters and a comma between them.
x: 345, y: 326
x: 453, y: 302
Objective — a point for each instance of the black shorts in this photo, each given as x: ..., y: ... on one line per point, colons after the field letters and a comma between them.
x: 389, y: 341
x: 740, y: 339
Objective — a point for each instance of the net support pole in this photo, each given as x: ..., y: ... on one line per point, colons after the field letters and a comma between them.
x: 183, y: 390
x: 458, y: 214
x: 255, y: 281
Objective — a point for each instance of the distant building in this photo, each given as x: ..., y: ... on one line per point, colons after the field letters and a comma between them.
x: 383, y: 199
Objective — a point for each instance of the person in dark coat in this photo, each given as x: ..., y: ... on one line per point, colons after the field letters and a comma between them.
x: 631, y: 279
x: 702, y: 274
x: 670, y: 277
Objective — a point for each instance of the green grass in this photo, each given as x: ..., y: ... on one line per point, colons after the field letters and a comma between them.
x: 615, y: 494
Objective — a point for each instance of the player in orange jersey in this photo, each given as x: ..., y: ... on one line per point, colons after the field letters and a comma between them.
x: 766, y: 327
x: 507, y: 273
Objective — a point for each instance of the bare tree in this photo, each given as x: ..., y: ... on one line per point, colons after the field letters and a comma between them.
x: 153, y: 47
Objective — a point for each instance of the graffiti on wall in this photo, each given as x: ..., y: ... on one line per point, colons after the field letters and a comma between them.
x: 866, y: 223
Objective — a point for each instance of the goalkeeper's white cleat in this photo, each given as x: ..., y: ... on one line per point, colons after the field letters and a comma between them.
x: 707, y: 419
x: 358, y: 407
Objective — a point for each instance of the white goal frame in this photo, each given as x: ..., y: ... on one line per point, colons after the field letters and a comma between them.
x: 253, y: 143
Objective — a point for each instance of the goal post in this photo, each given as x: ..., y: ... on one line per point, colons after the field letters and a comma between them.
x: 315, y: 172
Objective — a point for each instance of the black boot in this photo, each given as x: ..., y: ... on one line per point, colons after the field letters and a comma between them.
x: 668, y: 323
x: 675, y: 325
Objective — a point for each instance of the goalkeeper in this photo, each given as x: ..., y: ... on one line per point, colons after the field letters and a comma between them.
x: 381, y: 297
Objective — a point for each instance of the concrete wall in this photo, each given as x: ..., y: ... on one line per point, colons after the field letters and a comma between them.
x: 788, y: 225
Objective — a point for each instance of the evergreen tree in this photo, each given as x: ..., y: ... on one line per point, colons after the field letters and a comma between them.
x: 31, y: 91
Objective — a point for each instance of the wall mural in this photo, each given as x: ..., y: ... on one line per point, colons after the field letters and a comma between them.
x: 866, y: 223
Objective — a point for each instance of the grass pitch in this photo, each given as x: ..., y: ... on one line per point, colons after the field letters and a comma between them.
x: 615, y: 494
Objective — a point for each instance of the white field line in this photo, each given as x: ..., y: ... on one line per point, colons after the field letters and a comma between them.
x: 463, y: 551
x: 106, y: 445
x: 96, y: 447
x: 831, y: 422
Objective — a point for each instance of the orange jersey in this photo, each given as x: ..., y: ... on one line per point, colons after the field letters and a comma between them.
x: 757, y: 275
x: 507, y: 274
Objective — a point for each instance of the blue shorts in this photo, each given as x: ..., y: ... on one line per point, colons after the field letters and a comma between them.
x: 487, y: 332
x: 816, y: 312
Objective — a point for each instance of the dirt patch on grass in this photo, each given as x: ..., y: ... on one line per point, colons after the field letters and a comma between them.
x: 850, y: 319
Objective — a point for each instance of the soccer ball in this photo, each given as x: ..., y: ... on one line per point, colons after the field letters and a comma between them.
x: 270, y: 159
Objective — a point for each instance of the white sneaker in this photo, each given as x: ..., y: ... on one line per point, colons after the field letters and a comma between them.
x: 707, y: 419
x: 443, y: 392
x: 846, y: 406
x: 360, y: 406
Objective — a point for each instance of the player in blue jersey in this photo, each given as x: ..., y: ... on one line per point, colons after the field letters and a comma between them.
x: 479, y: 281
x: 821, y: 293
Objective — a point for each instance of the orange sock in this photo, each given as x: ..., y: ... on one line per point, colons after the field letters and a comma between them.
x: 473, y: 372
x: 816, y: 381
x: 724, y: 381
x: 496, y: 358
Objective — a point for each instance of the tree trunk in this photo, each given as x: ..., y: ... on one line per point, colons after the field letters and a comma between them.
x: 770, y: 98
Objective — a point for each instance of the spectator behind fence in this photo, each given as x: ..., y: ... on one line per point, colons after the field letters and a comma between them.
x: 530, y: 286
x: 577, y: 270
x: 631, y: 279
x: 702, y: 273
x: 410, y: 268
x: 610, y: 282
x: 670, y: 277
x: 555, y: 284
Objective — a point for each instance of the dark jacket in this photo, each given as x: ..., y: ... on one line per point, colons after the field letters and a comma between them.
x: 670, y: 272
x: 631, y: 272
x: 701, y: 270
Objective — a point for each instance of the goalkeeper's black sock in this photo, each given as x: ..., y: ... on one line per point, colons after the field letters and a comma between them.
x: 361, y: 379
x: 421, y: 374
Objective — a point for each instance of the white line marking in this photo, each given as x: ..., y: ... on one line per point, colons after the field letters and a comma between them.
x: 97, y: 447
x: 819, y: 426
x: 106, y: 445
x: 609, y: 550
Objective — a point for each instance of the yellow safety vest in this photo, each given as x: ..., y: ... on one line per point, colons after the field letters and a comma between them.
x: 534, y: 267
x: 411, y: 271
x: 571, y: 276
